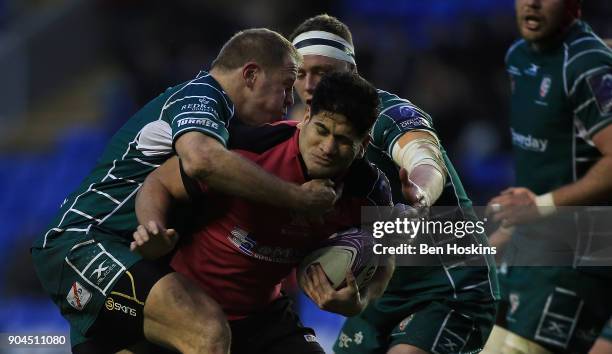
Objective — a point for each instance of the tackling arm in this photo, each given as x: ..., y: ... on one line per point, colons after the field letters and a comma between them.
x: 162, y: 189
x: 208, y: 161
x: 422, y: 169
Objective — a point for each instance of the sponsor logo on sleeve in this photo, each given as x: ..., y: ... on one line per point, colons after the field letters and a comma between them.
x: 204, y: 122
x: 78, y: 296
x: 601, y: 87
x: 532, y: 70
x: 407, y: 117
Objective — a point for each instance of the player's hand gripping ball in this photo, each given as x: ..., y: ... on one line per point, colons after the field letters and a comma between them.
x: 343, y: 251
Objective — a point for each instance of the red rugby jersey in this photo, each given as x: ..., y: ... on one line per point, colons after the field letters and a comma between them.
x: 243, y: 250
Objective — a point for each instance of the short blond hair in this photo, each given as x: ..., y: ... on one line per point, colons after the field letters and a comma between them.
x: 261, y: 45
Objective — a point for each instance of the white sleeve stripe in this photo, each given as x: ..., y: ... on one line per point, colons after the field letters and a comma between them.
x: 146, y: 163
x: 106, y: 195
x: 599, y: 126
x: 584, y: 105
x: 579, y: 40
x: 564, y: 70
x: 205, y: 113
x: 186, y: 97
x: 512, y: 48
x: 583, y: 75
x: 161, y: 111
x: 606, y: 52
x: 202, y: 129
x: 84, y: 215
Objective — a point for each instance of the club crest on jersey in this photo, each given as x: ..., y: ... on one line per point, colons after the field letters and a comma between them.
x: 545, y: 86
x: 532, y: 70
x: 601, y: 87
x: 78, y: 296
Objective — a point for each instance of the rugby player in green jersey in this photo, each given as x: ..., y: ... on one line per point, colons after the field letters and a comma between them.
x: 111, y: 297
x: 561, y: 110
x: 438, y: 309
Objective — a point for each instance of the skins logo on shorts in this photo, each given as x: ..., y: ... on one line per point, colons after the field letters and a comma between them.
x: 78, y: 296
x: 112, y: 305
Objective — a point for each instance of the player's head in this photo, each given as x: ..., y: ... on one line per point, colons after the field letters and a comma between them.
x: 335, y: 130
x: 544, y: 21
x: 326, y: 45
x: 262, y: 66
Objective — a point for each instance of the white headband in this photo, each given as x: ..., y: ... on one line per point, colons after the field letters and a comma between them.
x: 325, y: 44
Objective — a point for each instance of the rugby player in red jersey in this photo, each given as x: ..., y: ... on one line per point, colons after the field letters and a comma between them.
x: 242, y: 250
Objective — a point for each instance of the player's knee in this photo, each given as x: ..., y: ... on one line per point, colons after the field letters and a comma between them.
x: 405, y: 349
x: 175, y: 298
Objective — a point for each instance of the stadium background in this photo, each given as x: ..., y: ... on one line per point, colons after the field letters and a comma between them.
x: 71, y: 72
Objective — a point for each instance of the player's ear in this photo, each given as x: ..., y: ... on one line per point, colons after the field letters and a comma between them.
x: 306, y: 117
x: 250, y: 71
x: 363, y: 146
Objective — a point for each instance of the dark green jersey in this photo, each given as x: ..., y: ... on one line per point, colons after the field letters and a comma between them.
x: 106, y: 197
x: 398, y: 116
x: 561, y: 97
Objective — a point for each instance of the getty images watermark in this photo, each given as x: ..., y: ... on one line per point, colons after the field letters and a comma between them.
x: 408, y: 228
x: 572, y: 236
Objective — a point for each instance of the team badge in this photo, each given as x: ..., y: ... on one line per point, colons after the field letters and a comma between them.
x: 78, y: 296
x: 601, y: 87
x: 545, y: 86
x: 532, y: 70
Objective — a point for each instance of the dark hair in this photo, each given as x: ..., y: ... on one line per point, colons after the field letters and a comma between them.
x: 261, y: 45
x: 350, y: 95
x: 324, y: 22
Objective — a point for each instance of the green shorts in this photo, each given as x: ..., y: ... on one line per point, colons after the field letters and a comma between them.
x: 560, y: 308
x: 78, y: 272
x: 423, y: 313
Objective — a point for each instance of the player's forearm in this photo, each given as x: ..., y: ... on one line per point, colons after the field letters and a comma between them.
x: 594, y: 187
x: 153, y: 202
x: 377, y: 285
x: 419, y: 153
x: 429, y: 179
x: 227, y: 172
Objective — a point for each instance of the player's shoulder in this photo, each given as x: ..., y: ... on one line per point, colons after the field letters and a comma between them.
x: 394, y: 109
x: 261, y: 138
x: 515, y: 51
x: 364, y: 180
x: 201, y: 93
x: 585, y: 51
x: 587, y: 56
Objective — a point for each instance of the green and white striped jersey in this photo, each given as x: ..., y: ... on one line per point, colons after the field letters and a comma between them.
x: 398, y: 116
x: 105, y: 199
x: 560, y: 99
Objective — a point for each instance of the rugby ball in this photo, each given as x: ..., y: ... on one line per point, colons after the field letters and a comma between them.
x: 351, y: 249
